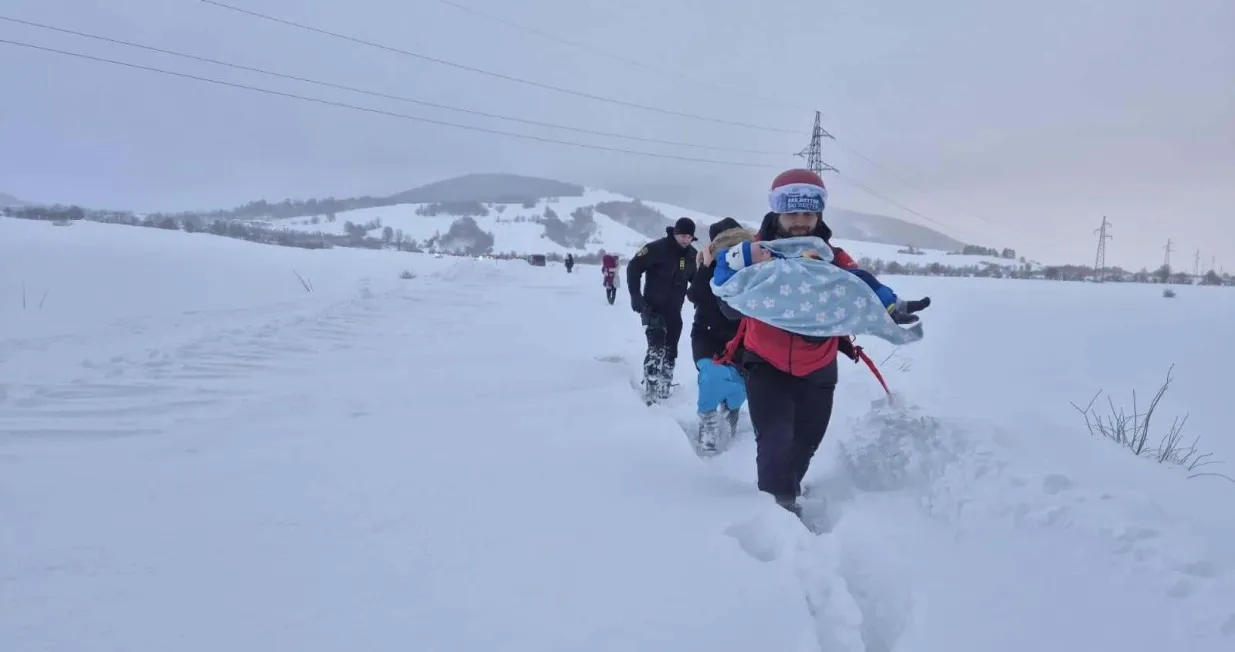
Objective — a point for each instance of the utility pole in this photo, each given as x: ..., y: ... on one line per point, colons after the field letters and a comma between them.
x: 1099, y: 263
x: 1167, y: 264
x: 814, y: 151
x: 1196, y: 266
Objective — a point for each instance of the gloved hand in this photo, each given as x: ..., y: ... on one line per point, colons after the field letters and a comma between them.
x: 902, y: 311
x: 847, y: 348
x: 638, y: 304
x: 917, y: 306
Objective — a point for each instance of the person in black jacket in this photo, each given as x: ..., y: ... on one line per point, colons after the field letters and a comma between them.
x: 669, y: 264
x: 722, y: 391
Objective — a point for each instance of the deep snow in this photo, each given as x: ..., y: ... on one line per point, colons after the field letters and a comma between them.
x: 198, y: 454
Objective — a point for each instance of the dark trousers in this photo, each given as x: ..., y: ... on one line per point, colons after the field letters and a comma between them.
x: 610, y: 293
x: 790, y: 415
x: 663, y: 333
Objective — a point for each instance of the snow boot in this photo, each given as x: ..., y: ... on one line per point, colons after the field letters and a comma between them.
x: 790, y: 504
x: 709, y: 425
x: 731, y: 416
x: 656, y: 390
x: 664, y: 383
x: 651, y: 391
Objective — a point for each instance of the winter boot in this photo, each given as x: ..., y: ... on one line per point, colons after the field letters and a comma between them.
x: 791, y: 504
x: 709, y: 424
x: 731, y: 416
x: 653, y: 369
x: 665, y: 381
x: 651, y: 390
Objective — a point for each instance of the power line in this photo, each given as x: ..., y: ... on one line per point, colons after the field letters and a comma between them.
x: 813, y: 153
x: 583, y: 46
x: 881, y: 167
x: 646, y: 66
x: 404, y: 116
x: 900, y: 177
x: 885, y: 198
x: 595, y: 50
x: 549, y: 87
x: 387, y: 95
x: 519, y: 80
x: 853, y: 183
x: 392, y: 114
x: 616, y: 57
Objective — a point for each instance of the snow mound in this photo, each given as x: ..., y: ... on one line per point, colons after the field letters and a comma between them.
x: 476, y: 271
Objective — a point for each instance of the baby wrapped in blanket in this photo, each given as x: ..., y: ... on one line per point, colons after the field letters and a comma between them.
x: 791, y: 283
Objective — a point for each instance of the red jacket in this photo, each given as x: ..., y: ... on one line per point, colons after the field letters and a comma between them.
x: 791, y: 353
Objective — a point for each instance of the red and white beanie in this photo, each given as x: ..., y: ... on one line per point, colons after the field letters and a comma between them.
x: 797, y: 191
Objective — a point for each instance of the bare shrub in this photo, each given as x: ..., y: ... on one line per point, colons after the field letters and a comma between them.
x: 1131, y: 430
x: 903, y: 363
x: 306, y: 284
x: 23, y: 297
x: 407, y: 275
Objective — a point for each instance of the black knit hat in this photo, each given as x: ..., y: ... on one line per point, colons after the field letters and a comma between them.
x: 684, y: 226
x: 723, y: 225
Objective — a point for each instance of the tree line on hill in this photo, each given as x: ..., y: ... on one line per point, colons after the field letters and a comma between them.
x: 466, y: 237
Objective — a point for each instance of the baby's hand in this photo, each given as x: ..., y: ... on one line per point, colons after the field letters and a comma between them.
x: 811, y: 253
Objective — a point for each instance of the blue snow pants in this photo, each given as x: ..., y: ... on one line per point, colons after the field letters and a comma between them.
x: 719, y: 382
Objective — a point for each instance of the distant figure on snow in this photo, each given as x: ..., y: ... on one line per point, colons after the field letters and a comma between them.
x: 669, y: 264
x: 608, y: 268
x: 570, y: 262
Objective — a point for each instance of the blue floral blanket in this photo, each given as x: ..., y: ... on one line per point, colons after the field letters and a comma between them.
x: 809, y: 296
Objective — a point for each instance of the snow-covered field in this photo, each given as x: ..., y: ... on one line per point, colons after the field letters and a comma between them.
x: 528, y: 237
x: 889, y: 253
x: 198, y: 454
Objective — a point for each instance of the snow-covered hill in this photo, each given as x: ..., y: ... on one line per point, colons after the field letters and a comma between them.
x: 197, y: 453
x: 520, y: 228
x: 7, y: 200
x: 889, y: 253
x: 515, y: 227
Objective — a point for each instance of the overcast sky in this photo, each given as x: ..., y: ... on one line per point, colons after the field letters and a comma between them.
x: 1009, y: 124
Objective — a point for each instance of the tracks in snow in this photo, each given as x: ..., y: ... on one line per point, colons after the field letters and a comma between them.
x: 241, y: 364
x: 909, y: 508
x: 855, y: 598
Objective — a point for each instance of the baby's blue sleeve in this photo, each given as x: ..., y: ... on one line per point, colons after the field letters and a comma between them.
x: 886, y: 296
x: 722, y: 272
